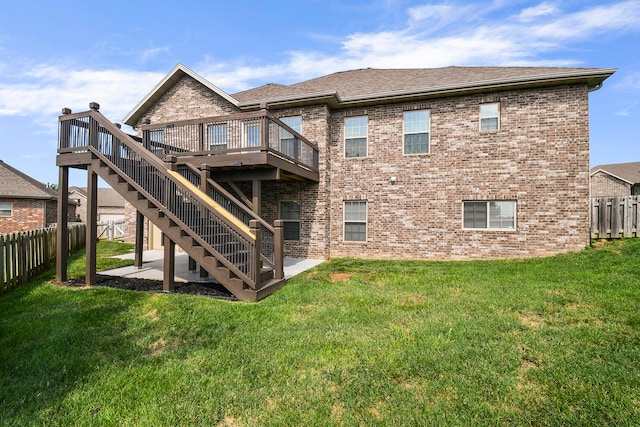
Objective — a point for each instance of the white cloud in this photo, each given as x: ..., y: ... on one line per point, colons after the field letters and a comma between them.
x: 50, y: 88
x: 153, y: 52
x: 535, y: 12
x: 464, y: 36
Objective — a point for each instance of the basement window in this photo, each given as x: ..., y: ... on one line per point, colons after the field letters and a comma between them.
x: 495, y: 215
x: 290, y: 216
x: 355, y: 221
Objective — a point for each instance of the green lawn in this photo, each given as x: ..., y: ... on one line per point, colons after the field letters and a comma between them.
x: 552, y: 341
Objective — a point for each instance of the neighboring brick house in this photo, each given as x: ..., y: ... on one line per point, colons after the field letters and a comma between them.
x: 448, y: 163
x: 111, y: 205
x: 26, y: 204
x: 618, y: 179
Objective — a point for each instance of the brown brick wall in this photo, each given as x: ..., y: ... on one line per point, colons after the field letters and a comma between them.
x: 28, y: 214
x: 539, y: 158
x: 188, y: 99
x: 603, y: 184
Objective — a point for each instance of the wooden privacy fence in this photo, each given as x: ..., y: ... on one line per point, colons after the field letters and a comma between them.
x: 615, y: 217
x: 26, y: 254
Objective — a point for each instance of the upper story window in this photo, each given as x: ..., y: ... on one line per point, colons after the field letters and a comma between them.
x: 500, y: 215
x: 490, y: 116
x: 290, y: 215
x: 416, y: 132
x: 156, y: 141
x: 6, y: 209
x: 218, y: 136
x: 289, y: 144
x: 251, y: 134
x: 355, y: 136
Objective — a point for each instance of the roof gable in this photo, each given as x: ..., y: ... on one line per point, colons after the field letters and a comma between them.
x: 173, y: 77
x: 107, y: 197
x: 370, y: 86
x: 18, y: 185
x: 628, y: 172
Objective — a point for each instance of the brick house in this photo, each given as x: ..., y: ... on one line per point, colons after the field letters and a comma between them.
x: 618, y: 179
x: 26, y: 204
x: 446, y: 163
x: 111, y: 205
x: 450, y: 163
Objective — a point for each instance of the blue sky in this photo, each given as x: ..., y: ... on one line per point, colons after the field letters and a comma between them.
x: 67, y: 54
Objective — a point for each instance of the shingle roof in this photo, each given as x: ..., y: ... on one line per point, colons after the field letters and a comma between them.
x: 375, y: 83
x: 370, y: 85
x: 629, y: 172
x: 18, y: 185
x: 107, y: 197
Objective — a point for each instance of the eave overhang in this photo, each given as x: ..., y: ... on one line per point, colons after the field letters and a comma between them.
x: 612, y: 175
x: 593, y: 78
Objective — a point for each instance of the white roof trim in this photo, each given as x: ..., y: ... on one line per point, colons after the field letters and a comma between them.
x: 610, y: 174
x: 161, y: 87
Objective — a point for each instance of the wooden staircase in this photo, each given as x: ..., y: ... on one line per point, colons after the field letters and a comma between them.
x: 223, y: 245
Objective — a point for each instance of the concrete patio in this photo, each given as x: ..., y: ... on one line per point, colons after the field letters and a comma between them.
x: 152, y: 267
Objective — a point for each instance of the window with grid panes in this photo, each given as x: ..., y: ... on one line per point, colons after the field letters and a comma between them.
x: 355, y: 136
x: 416, y: 132
x: 290, y: 216
x: 493, y: 215
x: 355, y: 221
x: 289, y: 144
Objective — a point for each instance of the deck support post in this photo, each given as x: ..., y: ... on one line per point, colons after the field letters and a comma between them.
x: 92, y: 227
x: 256, y: 191
x: 256, y: 230
x: 139, y: 239
x: 168, y: 280
x: 278, y: 242
x: 62, y: 233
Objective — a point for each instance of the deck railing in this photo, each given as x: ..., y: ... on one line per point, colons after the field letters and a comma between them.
x: 238, y: 133
x: 92, y: 132
x: 236, y: 208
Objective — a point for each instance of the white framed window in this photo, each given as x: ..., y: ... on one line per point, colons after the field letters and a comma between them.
x: 491, y: 215
x: 490, y: 116
x: 416, y: 125
x: 6, y: 209
x: 289, y: 144
x: 218, y: 136
x: 355, y: 136
x: 251, y: 133
x: 290, y: 215
x: 355, y: 221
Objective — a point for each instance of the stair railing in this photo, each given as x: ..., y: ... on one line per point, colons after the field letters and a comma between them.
x: 198, y: 215
x: 270, y: 253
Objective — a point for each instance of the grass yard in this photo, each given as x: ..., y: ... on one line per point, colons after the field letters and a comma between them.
x: 552, y: 341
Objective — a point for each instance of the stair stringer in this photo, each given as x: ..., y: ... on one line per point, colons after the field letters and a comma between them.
x: 211, y: 261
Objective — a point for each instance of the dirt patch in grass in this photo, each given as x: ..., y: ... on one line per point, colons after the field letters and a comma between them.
x: 340, y: 277
x: 213, y: 290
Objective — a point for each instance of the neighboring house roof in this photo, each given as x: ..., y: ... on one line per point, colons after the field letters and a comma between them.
x: 628, y: 172
x: 107, y: 197
x: 370, y: 86
x: 18, y: 185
